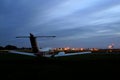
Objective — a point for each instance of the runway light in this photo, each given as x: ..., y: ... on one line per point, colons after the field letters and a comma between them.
x: 110, y: 46
x: 81, y: 49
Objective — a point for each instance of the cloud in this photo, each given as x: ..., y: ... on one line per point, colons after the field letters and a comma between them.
x: 73, y: 21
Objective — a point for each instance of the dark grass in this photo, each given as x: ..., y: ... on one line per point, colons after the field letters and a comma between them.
x: 15, y: 66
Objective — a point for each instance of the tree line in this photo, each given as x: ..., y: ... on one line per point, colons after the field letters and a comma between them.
x: 11, y: 47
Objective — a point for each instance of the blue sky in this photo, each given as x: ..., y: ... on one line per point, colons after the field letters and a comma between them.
x: 76, y: 23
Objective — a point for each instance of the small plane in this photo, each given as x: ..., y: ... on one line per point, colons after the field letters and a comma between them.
x: 44, y: 53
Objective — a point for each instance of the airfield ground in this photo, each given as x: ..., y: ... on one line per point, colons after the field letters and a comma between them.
x: 14, y: 65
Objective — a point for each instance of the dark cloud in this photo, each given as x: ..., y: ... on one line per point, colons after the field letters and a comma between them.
x: 78, y: 23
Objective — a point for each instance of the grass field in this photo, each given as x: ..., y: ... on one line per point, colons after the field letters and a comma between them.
x: 6, y: 56
x: 14, y: 65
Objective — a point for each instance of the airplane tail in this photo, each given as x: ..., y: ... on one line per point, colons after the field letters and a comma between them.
x: 33, y: 43
x: 34, y: 46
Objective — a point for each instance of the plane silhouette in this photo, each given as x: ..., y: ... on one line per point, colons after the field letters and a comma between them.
x: 36, y: 51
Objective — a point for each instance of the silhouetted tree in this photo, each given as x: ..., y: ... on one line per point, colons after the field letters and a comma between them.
x: 1, y: 48
x: 10, y: 47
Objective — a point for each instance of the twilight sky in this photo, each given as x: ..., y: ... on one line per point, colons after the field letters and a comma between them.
x: 76, y: 23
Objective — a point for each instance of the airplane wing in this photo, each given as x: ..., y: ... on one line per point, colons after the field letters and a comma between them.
x: 60, y: 54
x: 22, y: 53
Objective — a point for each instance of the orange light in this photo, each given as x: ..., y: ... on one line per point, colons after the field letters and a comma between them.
x: 81, y: 49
